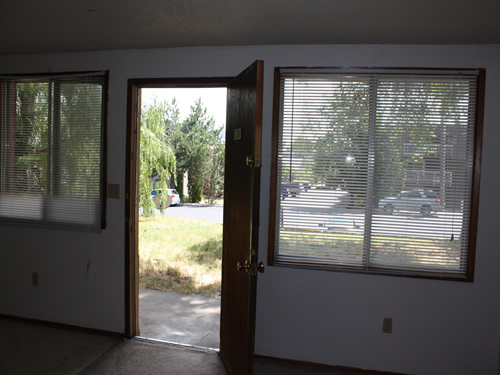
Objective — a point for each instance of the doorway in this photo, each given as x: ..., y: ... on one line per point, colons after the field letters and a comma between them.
x: 180, y: 234
x: 241, y: 210
x: 172, y: 302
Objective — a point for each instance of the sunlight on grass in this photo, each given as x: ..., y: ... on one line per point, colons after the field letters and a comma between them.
x: 180, y: 255
x: 390, y: 251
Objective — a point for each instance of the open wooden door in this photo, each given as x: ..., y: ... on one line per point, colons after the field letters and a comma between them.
x: 241, y: 219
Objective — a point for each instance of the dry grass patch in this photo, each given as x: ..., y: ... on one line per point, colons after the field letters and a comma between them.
x: 180, y: 255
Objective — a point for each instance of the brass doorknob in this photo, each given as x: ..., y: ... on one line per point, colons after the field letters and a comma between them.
x: 260, y: 267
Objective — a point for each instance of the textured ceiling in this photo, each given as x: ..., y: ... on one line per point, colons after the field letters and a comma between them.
x: 35, y: 26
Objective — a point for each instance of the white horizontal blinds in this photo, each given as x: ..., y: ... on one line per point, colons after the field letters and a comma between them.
x: 424, y: 142
x: 323, y: 150
x: 52, y: 151
x: 80, y: 152
x: 24, y: 107
x: 350, y: 142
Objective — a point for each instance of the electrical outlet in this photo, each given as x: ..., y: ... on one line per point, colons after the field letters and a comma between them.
x: 114, y: 191
x: 387, y: 325
x: 34, y: 278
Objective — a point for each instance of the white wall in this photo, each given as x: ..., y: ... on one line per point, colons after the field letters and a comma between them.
x: 439, y: 327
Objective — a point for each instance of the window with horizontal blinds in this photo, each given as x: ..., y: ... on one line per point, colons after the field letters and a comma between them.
x: 52, y: 130
x: 377, y: 170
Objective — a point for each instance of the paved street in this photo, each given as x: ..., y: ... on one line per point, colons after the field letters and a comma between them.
x: 439, y: 225
x: 208, y: 212
x: 307, y: 215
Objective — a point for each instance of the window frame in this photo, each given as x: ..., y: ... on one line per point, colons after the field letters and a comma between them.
x: 468, y: 276
x: 55, y: 79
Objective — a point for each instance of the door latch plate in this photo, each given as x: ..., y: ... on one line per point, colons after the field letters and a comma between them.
x: 253, y: 161
x: 251, y: 268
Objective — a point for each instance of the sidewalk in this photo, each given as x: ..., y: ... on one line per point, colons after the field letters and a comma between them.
x: 179, y: 318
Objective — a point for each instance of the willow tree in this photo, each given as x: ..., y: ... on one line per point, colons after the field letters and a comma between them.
x: 157, y: 161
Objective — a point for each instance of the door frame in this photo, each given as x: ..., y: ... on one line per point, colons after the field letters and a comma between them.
x: 132, y: 179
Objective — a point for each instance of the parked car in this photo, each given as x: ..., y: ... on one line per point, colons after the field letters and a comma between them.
x: 293, y: 188
x: 176, y: 199
x: 284, y: 192
x: 424, y: 201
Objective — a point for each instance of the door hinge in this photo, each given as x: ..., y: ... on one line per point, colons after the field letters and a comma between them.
x: 254, y: 161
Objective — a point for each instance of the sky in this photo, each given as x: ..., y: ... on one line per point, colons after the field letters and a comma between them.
x: 214, y: 99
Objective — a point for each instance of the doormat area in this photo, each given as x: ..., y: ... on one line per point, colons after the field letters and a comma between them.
x: 144, y: 357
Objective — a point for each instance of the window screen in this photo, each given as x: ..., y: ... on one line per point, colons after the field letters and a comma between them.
x: 376, y: 170
x: 52, y: 150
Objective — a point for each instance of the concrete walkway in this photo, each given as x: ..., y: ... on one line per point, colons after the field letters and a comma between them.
x: 179, y: 318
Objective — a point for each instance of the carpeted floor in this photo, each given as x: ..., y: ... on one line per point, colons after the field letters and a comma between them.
x: 134, y: 356
x: 138, y: 356
x: 27, y: 348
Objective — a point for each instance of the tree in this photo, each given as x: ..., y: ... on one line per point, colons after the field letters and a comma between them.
x: 58, y: 133
x: 78, y: 146
x: 340, y: 156
x: 405, y: 135
x: 156, y: 157
x: 194, y: 143
x: 215, y: 168
x: 31, y: 138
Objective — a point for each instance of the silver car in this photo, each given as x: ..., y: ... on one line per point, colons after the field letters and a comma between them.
x: 425, y: 202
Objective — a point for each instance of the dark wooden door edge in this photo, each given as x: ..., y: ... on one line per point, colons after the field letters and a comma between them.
x: 131, y: 282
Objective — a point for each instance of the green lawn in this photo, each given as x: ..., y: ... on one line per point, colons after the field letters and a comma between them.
x: 390, y: 250
x: 185, y: 255
x: 180, y: 255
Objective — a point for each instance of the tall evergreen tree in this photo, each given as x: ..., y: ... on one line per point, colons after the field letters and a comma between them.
x: 193, y: 145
